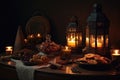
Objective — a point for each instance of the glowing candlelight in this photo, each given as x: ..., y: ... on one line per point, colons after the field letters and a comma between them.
x: 66, y: 52
x: 9, y: 49
x: 87, y: 41
x: 107, y: 40
x: 115, y: 54
x: 71, y: 42
x: 25, y: 40
x: 30, y: 36
x: 68, y: 70
x: 9, y: 63
x: 99, y: 44
x: 38, y: 35
x: 66, y: 49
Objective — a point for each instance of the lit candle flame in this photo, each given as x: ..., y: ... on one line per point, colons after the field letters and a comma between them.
x: 87, y: 41
x: 38, y: 35
x: 9, y: 49
x: 25, y: 40
x: 71, y: 42
x: 116, y: 52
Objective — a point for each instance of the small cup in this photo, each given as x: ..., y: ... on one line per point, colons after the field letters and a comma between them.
x: 115, y: 54
x: 66, y: 53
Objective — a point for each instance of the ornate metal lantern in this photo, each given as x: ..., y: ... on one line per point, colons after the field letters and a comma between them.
x: 97, y: 32
x: 74, y: 35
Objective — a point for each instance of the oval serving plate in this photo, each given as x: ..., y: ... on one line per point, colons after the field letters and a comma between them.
x: 94, y: 66
x: 27, y: 63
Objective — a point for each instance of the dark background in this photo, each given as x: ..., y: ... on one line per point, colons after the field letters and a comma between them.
x: 17, y: 12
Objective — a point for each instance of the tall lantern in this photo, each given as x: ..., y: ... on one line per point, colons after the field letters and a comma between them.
x: 74, y: 35
x: 97, y: 32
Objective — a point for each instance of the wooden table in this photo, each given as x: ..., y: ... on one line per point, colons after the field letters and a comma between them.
x: 8, y: 72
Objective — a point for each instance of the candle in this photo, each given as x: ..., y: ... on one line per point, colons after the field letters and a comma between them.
x: 66, y: 49
x: 99, y: 45
x: 115, y: 54
x: 25, y: 40
x: 87, y: 41
x: 71, y: 42
x: 107, y: 42
x: 30, y: 36
x: 9, y: 63
x: 99, y: 42
x: 38, y: 35
x: 66, y: 52
x: 9, y: 49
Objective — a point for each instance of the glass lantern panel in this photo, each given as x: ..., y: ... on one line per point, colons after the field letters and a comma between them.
x: 79, y: 38
x: 74, y: 39
x: 71, y: 39
x: 100, y: 41
x: 92, y: 41
x: 96, y: 42
x: 107, y: 40
x: 87, y: 41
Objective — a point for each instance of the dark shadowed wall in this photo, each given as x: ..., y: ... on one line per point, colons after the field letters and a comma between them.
x: 17, y: 12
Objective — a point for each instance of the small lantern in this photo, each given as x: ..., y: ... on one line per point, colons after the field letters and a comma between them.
x: 97, y: 32
x: 74, y: 34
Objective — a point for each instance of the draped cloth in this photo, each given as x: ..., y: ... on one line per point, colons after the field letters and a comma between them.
x: 26, y: 72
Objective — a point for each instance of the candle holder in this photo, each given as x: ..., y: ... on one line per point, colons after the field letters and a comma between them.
x: 74, y: 35
x: 115, y: 53
x: 97, y: 33
x: 34, y: 38
x: 65, y: 53
x: 9, y: 50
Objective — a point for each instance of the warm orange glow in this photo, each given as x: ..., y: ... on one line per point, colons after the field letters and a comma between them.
x: 30, y: 36
x: 38, y: 35
x: 68, y: 70
x: 116, y: 52
x: 99, y: 42
x: 54, y: 60
x: 9, y: 62
x: 80, y: 39
x: 25, y: 40
x: 66, y: 52
x: 9, y: 49
x: 107, y: 41
x: 66, y: 49
x: 87, y: 41
x: 99, y: 45
x: 71, y: 41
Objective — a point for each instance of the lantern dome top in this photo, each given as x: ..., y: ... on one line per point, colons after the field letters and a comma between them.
x: 72, y: 24
x: 97, y: 7
x: 97, y: 15
x: 73, y: 21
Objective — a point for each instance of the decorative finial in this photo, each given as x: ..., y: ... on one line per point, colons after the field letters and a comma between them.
x: 73, y: 21
x: 97, y: 7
